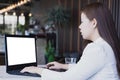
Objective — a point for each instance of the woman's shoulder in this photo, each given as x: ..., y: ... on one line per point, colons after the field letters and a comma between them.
x: 92, y: 45
x: 96, y: 47
x: 99, y: 43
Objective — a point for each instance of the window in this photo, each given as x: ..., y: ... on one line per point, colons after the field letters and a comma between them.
x: 8, y: 23
x: 1, y: 19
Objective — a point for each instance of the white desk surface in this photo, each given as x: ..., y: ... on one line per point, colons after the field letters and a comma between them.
x: 6, y: 76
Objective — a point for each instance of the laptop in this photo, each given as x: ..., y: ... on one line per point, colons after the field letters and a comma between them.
x: 20, y: 52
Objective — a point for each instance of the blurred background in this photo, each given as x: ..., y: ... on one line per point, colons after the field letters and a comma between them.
x: 38, y: 18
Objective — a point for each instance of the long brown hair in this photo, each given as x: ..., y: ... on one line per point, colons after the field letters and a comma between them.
x: 106, y: 26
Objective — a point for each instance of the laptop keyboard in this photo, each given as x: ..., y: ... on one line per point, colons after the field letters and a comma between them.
x: 17, y: 72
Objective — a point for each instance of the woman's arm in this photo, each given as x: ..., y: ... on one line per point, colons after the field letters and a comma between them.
x: 51, y: 65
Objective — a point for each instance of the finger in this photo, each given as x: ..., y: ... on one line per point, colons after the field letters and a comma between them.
x: 52, y: 67
x: 50, y: 63
x: 25, y: 69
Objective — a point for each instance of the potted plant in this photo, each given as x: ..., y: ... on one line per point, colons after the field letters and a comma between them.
x: 50, y: 51
x: 2, y: 29
x: 20, y: 29
x: 59, y: 17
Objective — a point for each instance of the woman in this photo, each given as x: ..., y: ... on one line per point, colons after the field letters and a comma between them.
x: 101, y: 57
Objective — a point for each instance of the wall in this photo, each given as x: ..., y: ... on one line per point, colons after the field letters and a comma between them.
x: 2, y: 59
x: 2, y: 49
x: 2, y: 46
x: 41, y: 7
x: 41, y: 45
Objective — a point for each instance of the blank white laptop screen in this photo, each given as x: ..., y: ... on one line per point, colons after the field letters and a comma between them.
x: 20, y: 50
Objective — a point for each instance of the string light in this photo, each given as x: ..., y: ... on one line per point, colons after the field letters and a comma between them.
x: 30, y: 14
x: 14, y: 6
x: 6, y: 13
x: 14, y: 14
x: 22, y: 14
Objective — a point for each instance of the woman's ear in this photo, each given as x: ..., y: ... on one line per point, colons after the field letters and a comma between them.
x: 94, y: 22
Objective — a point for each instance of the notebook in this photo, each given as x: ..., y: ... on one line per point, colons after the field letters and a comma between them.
x: 20, y: 52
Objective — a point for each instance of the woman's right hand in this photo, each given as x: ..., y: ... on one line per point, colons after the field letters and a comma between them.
x: 57, y: 65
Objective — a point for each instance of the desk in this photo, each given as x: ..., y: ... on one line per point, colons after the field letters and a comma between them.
x: 6, y: 76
